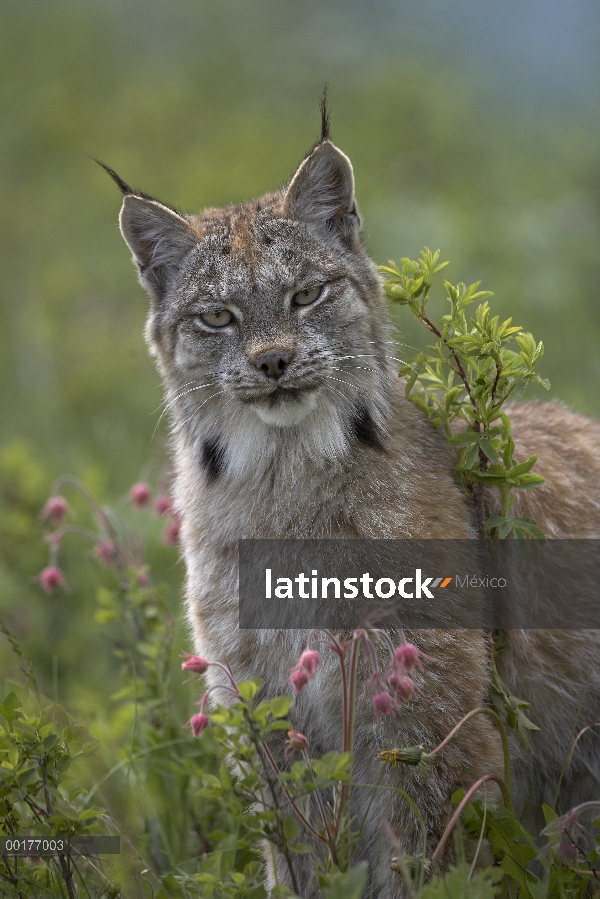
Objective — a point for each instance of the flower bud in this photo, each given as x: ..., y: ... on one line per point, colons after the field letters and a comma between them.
x: 407, y: 658
x: 163, y: 505
x: 382, y: 703
x: 296, y: 741
x: 106, y: 552
x: 140, y: 495
x: 299, y: 678
x: 55, y: 509
x: 403, y: 687
x: 197, y: 664
x: 409, y: 755
x: 309, y: 660
x: 171, y: 535
x: 198, y: 723
x: 51, y: 578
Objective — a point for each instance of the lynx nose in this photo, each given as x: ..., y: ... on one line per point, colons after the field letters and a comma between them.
x: 273, y: 363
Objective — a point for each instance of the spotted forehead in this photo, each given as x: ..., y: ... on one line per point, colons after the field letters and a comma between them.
x: 241, y: 251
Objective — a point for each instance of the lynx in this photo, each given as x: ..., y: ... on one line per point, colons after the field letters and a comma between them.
x: 270, y: 332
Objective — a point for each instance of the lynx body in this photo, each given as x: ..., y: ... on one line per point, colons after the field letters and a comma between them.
x: 271, y: 334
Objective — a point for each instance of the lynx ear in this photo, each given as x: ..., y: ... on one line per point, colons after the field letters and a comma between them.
x: 322, y: 193
x: 159, y: 239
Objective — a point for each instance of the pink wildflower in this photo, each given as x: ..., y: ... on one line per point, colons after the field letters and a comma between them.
x: 296, y: 741
x: 106, y: 552
x: 140, y: 495
x: 143, y: 579
x: 565, y: 833
x: 163, y: 505
x: 51, y: 578
x: 309, y: 660
x: 403, y: 686
x: 55, y: 509
x: 197, y: 664
x: 198, y: 723
x: 299, y: 678
x: 171, y: 535
x: 406, y: 658
x: 305, y: 669
x: 382, y: 703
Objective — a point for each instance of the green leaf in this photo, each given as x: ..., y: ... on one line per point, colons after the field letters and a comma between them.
x: 459, y: 883
x: 488, y: 449
x: 465, y: 438
x: 248, y: 689
x: 302, y: 848
x: 348, y: 885
x: 25, y: 776
x: 549, y: 813
x: 89, y: 814
x: 526, y: 481
x: 291, y: 828
x: 9, y: 706
x: 528, y: 526
x: 225, y: 777
x: 280, y: 706
x: 523, y: 467
x: 76, y: 733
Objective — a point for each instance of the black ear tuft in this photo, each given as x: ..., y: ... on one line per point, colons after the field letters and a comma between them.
x: 124, y: 188
x: 325, y: 120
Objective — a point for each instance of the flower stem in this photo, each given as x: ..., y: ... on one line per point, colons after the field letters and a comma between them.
x: 472, y: 789
x: 505, y: 746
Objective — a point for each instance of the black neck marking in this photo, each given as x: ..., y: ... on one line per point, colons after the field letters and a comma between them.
x: 364, y: 429
x: 213, y: 459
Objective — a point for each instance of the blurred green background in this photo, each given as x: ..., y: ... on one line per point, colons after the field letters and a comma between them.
x: 472, y: 126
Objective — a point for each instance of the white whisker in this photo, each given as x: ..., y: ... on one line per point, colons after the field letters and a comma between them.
x: 173, y: 400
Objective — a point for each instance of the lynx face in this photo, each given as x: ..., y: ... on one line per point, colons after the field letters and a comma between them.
x: 267, y: 319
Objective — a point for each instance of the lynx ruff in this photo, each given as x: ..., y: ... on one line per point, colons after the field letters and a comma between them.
x: 271, y: 334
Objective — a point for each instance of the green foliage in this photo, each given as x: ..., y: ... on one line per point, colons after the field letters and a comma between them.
x: 515, y: 849
x: 194, y: 814
x: 511, y: 708
x: 463, y: 383
x: 348, y: 885
x: 461, y: 883
x: 39, y: 796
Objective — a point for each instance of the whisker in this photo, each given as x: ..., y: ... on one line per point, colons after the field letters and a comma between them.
x: 363, y: 368
x: 343, y: 395
x: 375, y: 356
x: 166, y: 401
x: 173, y: 400
x: 193, y: 414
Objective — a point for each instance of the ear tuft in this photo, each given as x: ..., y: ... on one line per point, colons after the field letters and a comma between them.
x: 123, y: 187
x: 159, y: 239
x: 321, y: 192
x: 325, y: 120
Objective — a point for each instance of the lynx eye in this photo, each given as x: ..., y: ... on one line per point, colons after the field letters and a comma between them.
x: 306, y: 297
x: 217, y: 319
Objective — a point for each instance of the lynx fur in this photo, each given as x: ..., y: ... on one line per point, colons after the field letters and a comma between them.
x: 270, y: 331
